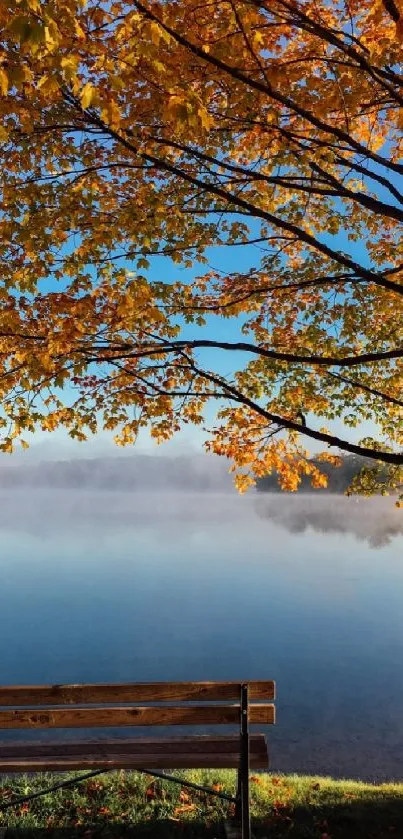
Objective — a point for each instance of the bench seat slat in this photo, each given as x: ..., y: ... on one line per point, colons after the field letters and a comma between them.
x: 187, y: 753
x: 124, y: 716
x: 101, y: 694
x: 140, y: 745
x: 181, y: 761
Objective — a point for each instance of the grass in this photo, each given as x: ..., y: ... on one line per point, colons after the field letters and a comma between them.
x: 127, y: 805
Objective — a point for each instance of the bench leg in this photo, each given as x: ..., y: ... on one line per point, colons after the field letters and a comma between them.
x: 238, y: 827
x: 242, y: 828
x: 246, y: 828
x: 243, y: 775
x: 242, y: 808
x: 238, y: 805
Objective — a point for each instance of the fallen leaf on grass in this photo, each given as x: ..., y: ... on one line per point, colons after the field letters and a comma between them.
x: 280, y: 805
x: 154, y: 791
x: 104, y: 811
x: 185, y: 808
x: 93, y: 788
x: 217, y: 787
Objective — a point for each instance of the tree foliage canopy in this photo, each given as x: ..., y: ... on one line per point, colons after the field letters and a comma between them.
x: 268, y: 129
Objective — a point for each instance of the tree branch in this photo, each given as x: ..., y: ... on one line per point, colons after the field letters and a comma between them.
x: 283, y: 422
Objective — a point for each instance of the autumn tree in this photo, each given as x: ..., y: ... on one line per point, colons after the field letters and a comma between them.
x: 141, y: 138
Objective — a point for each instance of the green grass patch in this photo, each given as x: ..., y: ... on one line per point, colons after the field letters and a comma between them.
x: 129, y: 805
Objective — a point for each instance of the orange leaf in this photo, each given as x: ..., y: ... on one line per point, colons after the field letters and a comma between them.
x: 185, y: 808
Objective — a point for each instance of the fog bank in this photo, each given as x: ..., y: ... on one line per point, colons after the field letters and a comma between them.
x: 171, y: 514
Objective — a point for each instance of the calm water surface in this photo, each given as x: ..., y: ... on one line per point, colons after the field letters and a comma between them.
x: 308, y: 591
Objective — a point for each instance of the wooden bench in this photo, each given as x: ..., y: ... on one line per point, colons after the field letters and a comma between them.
x: 162, y: 704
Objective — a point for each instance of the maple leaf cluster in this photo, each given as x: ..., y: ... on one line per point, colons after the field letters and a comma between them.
x: 140, y: 139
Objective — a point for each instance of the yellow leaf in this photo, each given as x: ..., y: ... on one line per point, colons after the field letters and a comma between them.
x: 3, y: 81
x: 88, y: 94
x: 69, y: 66
x: 48, y: 84
x: 156, y: 33
x: 52, y: 35
x: 158, y: 65
x: 79, y: 30
x: 205, y: 118
x: 3, y: 134
x: 243, y: 482
x: 110, y: 114
x: 176, y: 110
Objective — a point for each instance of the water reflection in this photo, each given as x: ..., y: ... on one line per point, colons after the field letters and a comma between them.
x: 374, y: 520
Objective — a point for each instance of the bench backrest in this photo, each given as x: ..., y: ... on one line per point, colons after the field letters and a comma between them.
x: 111, y: 705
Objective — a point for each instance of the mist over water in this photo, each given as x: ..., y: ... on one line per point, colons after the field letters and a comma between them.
x: 129, y: 586
x: 93, y: 512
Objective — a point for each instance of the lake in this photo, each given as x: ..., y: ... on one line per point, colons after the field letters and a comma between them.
x: 99, y: 586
